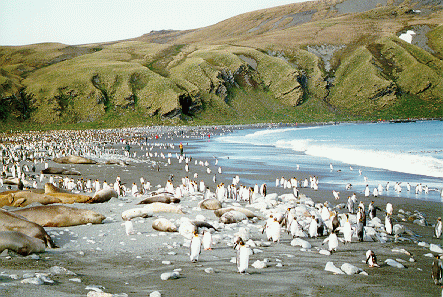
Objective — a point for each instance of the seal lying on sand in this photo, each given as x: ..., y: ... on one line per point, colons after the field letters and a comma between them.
x: 24, y: 198
x: 211, y: 204
x: 160, y: 198
x: 233, y: 216
x: 162, y: 207
x: 13, y: 222
x: 15, y: 181
x: 164, y: 225
x: 116, y: 162
x: 73, y: 160
x: 247, y: 212
x: 141, y: 212
x: 62, y: 171
x: 59, y: 215
x: 20, y: 243
x: 202, y: 224
x: 103, y: 195
x: 70, y: 198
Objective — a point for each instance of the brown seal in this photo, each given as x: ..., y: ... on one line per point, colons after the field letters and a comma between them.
x: 61, y: 171
x: 164, y: 225
x: 157, y: 207
x: 20, y: 243
x: 24, y: 198
x: 116, y: 162
x: 247, y: 212
x: 233, y: 216
x: 12, y: 222
x: 103, y: 196
x: 203, y: 224
x: 59, y: 215
x: 160, y: 198
x: 64, y: 196
x: 69, y: 198
x: 211, y: 204
x: 73, y: 160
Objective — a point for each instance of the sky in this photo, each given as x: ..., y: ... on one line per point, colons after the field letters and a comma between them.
x: 89, y: 21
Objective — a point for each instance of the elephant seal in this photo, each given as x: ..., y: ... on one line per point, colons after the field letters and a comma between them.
x: 141, y: 212
x: 17, y: 182
x: 20, y: 243
x: 103, y: 195
x: 160, y: 198
x: 233, y: 216
x: 188, y: 227
x: 164, y: 225
x: 24, y: 198
x: 69, y: 198
x: 247, y: 212
x: 13, y: 222
x: 61, y: 171
x: 59, y: 215
x: 50, y: 188
x: 202, y: 224
x: 65, y: 196
x: 210, y: 203
x: 116, y: 162
x: 73, y: 160
x: 13, y: 181
x: 162, y: 207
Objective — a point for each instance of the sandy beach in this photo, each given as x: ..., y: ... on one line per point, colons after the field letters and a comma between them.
x: 103, y: 257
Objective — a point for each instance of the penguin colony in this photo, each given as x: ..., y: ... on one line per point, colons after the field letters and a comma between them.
x: 291, y: 218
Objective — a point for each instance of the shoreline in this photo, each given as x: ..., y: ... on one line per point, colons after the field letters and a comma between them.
x: 104, y: 257
x: 275, y: 124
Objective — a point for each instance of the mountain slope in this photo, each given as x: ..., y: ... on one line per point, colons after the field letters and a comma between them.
x: 317, y: 60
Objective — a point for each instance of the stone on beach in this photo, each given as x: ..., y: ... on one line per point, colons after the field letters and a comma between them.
x: 394, y: 263
x: 300, y: 242
x: 398, y: 229
x: 436, y: 248
x: 350, y: 269
x: 170, y: 275
x: 332, y: 268
x: 259, y: 264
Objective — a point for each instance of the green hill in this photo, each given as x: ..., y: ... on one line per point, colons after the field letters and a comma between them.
x: 312, y: 61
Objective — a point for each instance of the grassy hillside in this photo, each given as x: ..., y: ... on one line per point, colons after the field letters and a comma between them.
x: 312, y: 61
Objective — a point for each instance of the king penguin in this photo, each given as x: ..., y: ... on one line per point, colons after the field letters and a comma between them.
x: 388, y: 224
x: 242, y: 256
x: 274, y: 230
x: 360, y: 230
x: 335, y: 222
x: 371, y: 259
x: 332, y: 241
x: 296, y: 229
x: 129, y: 227
x: 195, y: 247
x: 313, y: 227
x: 437, y: 270
x: 347, y: 230
x: 437, y: 230
x: 207, y: 240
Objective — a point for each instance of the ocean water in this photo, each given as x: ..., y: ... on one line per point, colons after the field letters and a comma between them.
x: 360, y: 154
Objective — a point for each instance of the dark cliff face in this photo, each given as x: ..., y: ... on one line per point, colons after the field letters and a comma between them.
x: 305, y: 61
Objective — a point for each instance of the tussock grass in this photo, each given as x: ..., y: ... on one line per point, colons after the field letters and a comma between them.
x: 358, y: 88
x: 228, y: 72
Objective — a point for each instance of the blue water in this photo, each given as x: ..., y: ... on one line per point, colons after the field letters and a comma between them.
x: 383, y: 152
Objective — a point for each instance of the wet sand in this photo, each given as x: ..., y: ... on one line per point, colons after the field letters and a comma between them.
x: 103, y: 256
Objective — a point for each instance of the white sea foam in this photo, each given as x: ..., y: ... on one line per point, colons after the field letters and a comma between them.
x: 399, y: 162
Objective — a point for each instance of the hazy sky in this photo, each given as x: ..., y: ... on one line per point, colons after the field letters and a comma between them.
x: 88, y: 21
